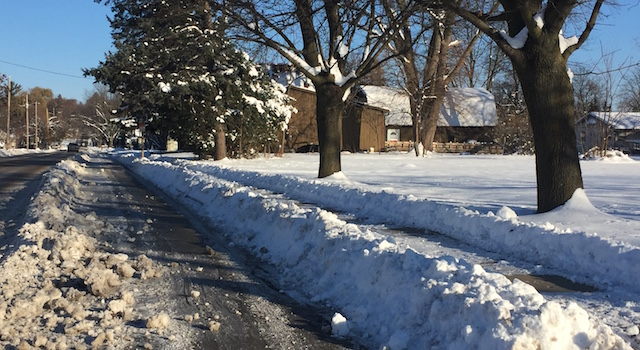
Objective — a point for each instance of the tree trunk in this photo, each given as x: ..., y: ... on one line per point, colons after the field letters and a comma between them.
x: 549, y: 96
x: 432, y: 107
x: 438, y: 83
x: 430, y: 123
x: 220, y: 147
x: 329, y: 110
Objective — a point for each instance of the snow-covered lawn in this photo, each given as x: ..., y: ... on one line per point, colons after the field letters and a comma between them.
x: 331, y: 244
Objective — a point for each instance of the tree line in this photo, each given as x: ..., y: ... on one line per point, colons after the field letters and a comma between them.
x: 51, y: 118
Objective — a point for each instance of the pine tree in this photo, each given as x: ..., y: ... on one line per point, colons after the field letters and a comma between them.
x: 176, y: 70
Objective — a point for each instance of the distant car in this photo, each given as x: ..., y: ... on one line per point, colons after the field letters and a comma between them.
x: 73, y: 147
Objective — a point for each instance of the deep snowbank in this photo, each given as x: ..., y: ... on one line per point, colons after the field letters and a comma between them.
x: 390, y: 296
x: 588, y: 258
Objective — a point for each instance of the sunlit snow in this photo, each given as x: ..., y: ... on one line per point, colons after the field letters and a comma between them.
x: 386, y: 289
x: 391, y: 290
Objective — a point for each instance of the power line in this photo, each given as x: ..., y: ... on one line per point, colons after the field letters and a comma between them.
x: 44, y: 70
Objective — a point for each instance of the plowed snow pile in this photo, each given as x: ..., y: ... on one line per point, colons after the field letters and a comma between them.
x: 384, y: 294
x: 59, y: 288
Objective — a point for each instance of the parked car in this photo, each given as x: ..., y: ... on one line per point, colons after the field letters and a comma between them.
x: 73, y: 147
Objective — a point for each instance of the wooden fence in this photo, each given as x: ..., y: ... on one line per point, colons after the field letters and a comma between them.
x: 448, y: 147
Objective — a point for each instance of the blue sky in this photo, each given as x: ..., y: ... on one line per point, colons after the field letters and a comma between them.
x: 64, y: 36
x: 617, y: 31
x: 61, y: 36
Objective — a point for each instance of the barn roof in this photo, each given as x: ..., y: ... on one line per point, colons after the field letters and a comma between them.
x: 461, y: 107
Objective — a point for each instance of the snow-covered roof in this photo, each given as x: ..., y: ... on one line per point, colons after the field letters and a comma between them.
x: 461, y: 106
x: 619, y: 120
x: 395, y: 101
x: 288, y: 75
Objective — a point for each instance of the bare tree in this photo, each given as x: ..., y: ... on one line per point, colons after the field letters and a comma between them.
x: 513, y: 131
x: 98, y: 114
x: 318, y: 37
x: 484, y: 64
x: 103, y: 124
x: 630, y: 95
x: 426, y: 66
x: 611, y: 83
x: 588, y: 94
x: 539, y: 51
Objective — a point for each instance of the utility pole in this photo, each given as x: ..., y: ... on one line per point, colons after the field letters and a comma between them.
x: 36, y: 113
x: 47, y: 135
x: 6, y: 142
x: 26, y: 104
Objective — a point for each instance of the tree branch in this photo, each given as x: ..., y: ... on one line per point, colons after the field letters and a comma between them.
x: 463, y: 57
x: 484, y: 27
x: 587, y: 31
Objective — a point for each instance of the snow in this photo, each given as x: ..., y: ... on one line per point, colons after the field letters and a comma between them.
x: 164, y: 87
x: 343, y: 49
x: 468, y: 107
x: 339, y: 325
x: 566, y: 42
x: 386, y: 288
x: 398, y: 291
x: 159, y: 321
x: 570, y: 74
x: 21, y: 151
x: 299, y: 62
x: 331, y: 66
x: 396, y: 101
x: 518, y: 41
x: 60, y: 288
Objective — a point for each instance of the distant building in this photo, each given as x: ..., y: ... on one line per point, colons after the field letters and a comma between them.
x: 613, y: 130
x: 363, y: 127
x: 376, y: 115
x: 466, y: 114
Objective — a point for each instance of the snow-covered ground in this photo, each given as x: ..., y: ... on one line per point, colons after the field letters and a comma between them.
x: 20, y: 151
x: 358, y: 242
x: 361, y: 243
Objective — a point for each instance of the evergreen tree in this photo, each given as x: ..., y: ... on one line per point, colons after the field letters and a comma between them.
x: 177, y: 71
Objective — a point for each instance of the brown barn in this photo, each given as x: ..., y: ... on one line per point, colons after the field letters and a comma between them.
x: 303, y: 129
x: 379, y: 116
x: 363, y: 126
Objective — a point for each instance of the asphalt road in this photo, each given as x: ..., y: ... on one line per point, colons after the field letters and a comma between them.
x: 20, y: 179
x: 234, y: 288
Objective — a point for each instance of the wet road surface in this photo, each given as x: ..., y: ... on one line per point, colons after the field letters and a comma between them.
x: 233, y: 288
x: 20, y: 180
